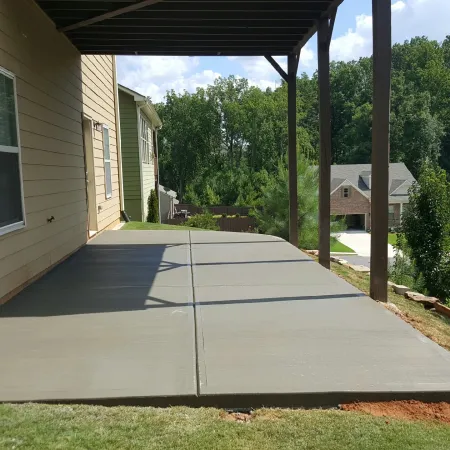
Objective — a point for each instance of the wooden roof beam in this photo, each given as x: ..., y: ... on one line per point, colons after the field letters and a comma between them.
x: 109, y: 15
x: 277, y: 67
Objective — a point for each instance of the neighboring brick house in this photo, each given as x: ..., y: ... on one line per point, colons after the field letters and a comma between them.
x: 351, y: 193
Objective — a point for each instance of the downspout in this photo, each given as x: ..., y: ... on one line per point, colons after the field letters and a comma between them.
x: 118, y: 136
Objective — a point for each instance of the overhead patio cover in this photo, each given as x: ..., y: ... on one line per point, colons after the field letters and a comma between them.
x: 188, y: 27
x: 254, y: 28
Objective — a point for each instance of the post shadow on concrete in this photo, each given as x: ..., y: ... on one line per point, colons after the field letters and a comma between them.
x: 123, y: 277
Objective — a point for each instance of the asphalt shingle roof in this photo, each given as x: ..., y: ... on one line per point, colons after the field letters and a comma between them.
x: 398, y: 174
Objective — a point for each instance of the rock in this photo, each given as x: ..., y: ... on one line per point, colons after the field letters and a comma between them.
x: 427, y: 302
x: 442, y: 309
x: 342, y: 262
x: 392, y: 308
x: 312, y: 252
x: 335, y: 259
x: 390, y: 283
x: 400, y: 289
x: 358, y: 268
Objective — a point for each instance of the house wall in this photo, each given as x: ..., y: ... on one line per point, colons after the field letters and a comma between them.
x: 355, y: 204
x: 55, y: 85
x: 130, y: 156
x: 148, y: 180
x: 99, y: 104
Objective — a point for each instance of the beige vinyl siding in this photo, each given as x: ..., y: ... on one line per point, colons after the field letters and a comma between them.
x: 148, y: 176
x: 51, y: 97
x: 130, y: 156
x: 99, y: 104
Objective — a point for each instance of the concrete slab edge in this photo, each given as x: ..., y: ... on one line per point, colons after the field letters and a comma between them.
x: 253, y: 401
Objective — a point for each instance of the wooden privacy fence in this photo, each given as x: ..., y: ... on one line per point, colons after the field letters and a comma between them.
x: 236, y: 224
x: 215, y: 210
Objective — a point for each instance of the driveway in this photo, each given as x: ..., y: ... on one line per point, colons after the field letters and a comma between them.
x: 359, y: 241
x: 207, y: 318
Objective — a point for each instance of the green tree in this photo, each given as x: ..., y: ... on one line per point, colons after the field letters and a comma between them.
x: 273, y: 218
x: 426, y: 225
x: 153, y: 207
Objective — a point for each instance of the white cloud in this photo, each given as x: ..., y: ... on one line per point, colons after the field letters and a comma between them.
x: 154, y: 75
x: 409, y: 18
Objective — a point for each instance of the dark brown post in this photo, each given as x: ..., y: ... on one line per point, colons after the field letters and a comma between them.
x: 382, y: 55
x: 323, y: 50
x: 292, y: 150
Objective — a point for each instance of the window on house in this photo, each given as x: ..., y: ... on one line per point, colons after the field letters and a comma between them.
x: 107, y: 162
x: 146, y: 140
x: 391, y: 213
x: 346, y: 192
x: 11, y: 199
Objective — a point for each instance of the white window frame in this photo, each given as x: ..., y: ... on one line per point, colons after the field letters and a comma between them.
x: 8, y: 149
x: 107, y: 161
x: 145, y: 139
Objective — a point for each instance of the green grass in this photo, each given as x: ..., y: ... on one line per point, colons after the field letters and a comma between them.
x: 155, y: 226
x: 32, y: 426
x: 392, y: 238
x: 429, y: 323
x: 339, y: 247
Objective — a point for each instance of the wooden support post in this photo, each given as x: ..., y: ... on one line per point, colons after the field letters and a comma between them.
x: 292, y: 150
x: 382, y: 56
x: 324, y: 30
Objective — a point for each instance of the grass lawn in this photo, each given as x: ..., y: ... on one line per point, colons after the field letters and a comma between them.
x: 428, y: 323
x: 155, y: 226
x: 32, y: 426
x: 339, y: 247
x: 392, y: 238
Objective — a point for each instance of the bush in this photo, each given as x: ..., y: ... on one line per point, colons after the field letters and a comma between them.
x: 404, y: 271
x: 205, y: 221
x: 153, y: 208
x: 426, y: 225
x: 224, y: 215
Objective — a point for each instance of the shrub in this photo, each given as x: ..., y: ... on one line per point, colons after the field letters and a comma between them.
x: 153, y: 208
x: 403, y: 270
x: 426, y: 225
x: 224, y: 215
x: 205, y: 221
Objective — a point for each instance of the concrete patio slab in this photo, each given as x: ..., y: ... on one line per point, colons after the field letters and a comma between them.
x: 207, y: 318
x: 104, y: 324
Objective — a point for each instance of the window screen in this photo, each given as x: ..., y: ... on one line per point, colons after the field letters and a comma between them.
x: 107, y: 160
x: 11, y: 208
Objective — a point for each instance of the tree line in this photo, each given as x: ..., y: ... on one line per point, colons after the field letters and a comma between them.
x: 224, y: 144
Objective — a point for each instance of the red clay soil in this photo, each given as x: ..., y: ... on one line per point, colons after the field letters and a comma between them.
x: 409, y: 410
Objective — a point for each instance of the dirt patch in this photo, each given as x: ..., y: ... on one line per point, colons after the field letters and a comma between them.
x: 235, y: 417
x: 410, y: 410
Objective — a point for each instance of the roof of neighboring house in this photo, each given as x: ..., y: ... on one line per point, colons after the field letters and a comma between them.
x: 145, y: 104
x: 400, y: 179
x: 167, y: 191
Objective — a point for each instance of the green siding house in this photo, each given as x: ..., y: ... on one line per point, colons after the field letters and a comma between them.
x: 139, y: 124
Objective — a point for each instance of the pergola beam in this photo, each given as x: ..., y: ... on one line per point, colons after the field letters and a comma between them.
x: 382, y: 58
x: 324, y: 35
x: 277, y: 67
x: 109, y: 15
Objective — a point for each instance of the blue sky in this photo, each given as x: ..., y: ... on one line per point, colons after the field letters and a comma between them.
x: 352, y: 39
